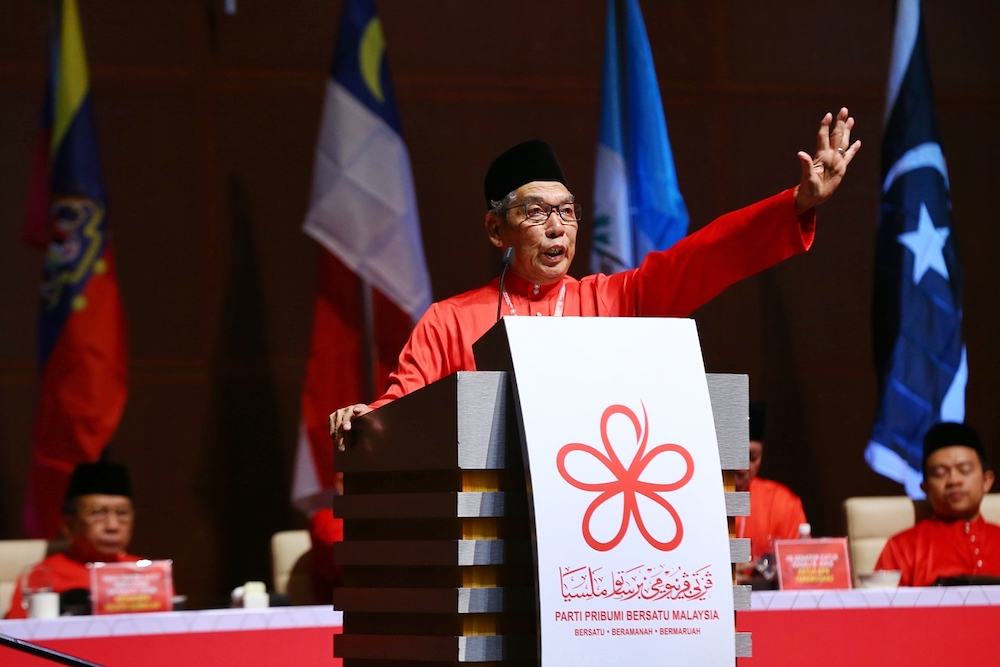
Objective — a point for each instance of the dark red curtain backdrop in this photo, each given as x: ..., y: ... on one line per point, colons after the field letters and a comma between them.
x: 190, y: 101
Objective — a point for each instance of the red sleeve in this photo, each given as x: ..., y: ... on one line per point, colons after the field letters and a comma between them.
x: 789, y: 509
x: 679, y: 280
x: 425, y: 357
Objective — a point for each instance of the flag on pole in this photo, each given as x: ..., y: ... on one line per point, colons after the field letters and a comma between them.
x: 83, y: 354
x: 638, y: 206
x: 917, y: 304
x: 364, y: 214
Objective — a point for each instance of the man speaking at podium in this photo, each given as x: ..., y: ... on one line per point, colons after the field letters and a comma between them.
x: 531, y: 209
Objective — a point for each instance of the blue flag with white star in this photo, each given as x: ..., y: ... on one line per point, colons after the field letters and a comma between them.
x: 917, y: 304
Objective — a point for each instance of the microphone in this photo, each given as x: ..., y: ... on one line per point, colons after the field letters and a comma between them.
x: 508, y: 259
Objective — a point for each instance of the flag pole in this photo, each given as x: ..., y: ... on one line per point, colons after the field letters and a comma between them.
x: 369, y: 348
x: 621, y: 27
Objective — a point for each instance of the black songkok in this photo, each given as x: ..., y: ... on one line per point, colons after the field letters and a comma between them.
x: 949, y: 434
x: 531, y: 161
x: 108, y: 479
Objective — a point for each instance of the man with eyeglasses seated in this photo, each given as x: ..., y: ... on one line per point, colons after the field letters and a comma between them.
x: 531, y: 209
x: 97, y: 521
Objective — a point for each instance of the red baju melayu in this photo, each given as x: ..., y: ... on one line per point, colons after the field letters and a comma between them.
x: 775, y: 514
x: 67, y: 573
x: 670, y: 283
x: 936, y: 548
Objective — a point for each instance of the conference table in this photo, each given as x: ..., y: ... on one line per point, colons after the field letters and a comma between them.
x: 300, y: 636
x: 886, y: 627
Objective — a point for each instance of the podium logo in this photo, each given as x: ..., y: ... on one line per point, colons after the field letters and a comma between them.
x: 627, y: 482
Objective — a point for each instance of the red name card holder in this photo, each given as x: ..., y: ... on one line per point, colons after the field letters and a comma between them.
x: 123, y: 588
x: 811, y: 564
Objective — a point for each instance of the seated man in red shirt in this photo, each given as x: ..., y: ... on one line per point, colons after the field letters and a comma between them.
x: 955, y: 540
x: 97, y: 521
x: 775, y: 512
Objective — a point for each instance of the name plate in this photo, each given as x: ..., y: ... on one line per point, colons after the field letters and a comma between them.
x: 121, y: 588
x: 812, y: 564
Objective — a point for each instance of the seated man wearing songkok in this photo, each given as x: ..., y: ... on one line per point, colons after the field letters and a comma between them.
x: 775, y: 512
x: 955, y: 540
x: 531, y: 209
x: 97, y: 521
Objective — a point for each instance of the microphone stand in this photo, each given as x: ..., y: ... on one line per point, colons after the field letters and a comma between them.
x: 508, y: 259
x: 44, y: 653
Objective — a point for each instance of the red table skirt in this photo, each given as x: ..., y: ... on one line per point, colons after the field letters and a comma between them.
x: 904, y: 627
x: 299, y: 646
x: 293, y: 636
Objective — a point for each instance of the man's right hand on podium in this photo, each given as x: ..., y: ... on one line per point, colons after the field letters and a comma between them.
x: 340, y: 422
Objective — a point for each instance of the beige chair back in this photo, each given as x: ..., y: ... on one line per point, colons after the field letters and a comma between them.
x: 15, y: 556
x: 290, y: 565
x: 871, y: 521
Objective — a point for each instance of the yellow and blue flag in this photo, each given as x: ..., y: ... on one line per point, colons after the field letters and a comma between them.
x: 638, y: 205
x: 83, y: 355
x: 917, y: 305
x: 364, y: 206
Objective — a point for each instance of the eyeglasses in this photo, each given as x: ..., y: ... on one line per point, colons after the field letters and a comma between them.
x: 538, y: 213
x: 99, y: 514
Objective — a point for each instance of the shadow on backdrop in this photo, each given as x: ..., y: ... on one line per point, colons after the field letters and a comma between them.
x: 246, y: 482
x: 10, y: 516
x: 788, y: 455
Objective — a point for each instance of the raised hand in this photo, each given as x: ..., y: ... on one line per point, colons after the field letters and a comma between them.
x: 822, y: 173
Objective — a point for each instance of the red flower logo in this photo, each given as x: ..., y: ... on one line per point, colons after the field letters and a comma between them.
x: 627, y: 481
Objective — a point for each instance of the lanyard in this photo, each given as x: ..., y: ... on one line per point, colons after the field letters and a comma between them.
x: 560, y: 303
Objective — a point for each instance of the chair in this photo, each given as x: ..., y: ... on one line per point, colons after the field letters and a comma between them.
x: 15, y: 556
x: 871, y: 521
x: 290, y: 565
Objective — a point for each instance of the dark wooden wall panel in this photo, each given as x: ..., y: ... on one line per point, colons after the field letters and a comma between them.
x: 208, y: 124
